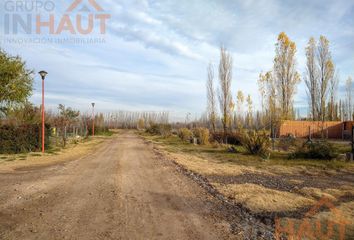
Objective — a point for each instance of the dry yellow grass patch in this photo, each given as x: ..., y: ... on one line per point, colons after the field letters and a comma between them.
x: 330, y: 193
x: 37, y: 159
x: 344, y: 220
x: 346, y: 211
x: 206, y: 166
x: 317, y: 193
x: 260, y: 199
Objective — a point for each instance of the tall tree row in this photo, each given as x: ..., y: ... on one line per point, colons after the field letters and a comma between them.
x: 320, y: 79
x: 326, y: 74
x: 225, y: 95
x: 311, y: 78
x: 286, y: 76
x: 211, y: 98
x: 269, y: 91
x: 278, y: 87
x: 239, y: 105
x: 349, y: 112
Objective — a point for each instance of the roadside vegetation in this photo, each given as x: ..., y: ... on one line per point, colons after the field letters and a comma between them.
x: 277, y: 186
x: 238, y: 150
x: 20, y: 120
x: 238, y: 154
x: 10, y: 162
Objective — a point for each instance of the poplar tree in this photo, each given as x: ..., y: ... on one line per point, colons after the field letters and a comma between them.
x: 211, y: 98
x: 286, y: 76
x: 225, y: 96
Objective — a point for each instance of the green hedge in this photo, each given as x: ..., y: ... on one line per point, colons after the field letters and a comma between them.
x: 23, y: 138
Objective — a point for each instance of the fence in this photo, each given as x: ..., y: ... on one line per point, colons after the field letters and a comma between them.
x: 316, y: 129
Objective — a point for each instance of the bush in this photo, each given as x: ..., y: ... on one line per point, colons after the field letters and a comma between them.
x: 286, y: 143
x: 185, y: 134
x: 322, y: 150
x: 153, y: 129
x: 202, y: 135
x: 232, y: 138
x: 164, y: 130
x: 256, y: 142
x: 23, y: 138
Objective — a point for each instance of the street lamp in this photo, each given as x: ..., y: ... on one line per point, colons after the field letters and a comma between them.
x: 43, y: 75
x: 93, y: 119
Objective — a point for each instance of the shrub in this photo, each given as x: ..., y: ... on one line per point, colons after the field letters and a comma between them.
x: 286, y: 143
x: 202, y: 134
x: 153, y: 129
x: 164, y: 130
x: 315, y: 150
x: 256, y: 142
x: 232, y: 138
x: 185, y: 134
x: 174, y: 132
x: 23, y: 138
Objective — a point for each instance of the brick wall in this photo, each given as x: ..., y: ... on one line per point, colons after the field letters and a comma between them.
x: 302, y: 129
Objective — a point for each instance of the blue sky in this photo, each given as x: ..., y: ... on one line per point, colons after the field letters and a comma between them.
x: 155, y: 53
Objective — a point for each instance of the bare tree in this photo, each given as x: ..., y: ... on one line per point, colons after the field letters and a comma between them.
x: 240, y: 102
x: 211, y: 106
x: 349, y: 98
x: 66, y: 117
x: 333, y: 88
x: 249, y: 111
x: 326, y: 73
x: 311, y: 77
x: 225, y: 96
x: 130, y: 120
x: 270, y: 97
x: 285, y: 74
x: 262, y: 91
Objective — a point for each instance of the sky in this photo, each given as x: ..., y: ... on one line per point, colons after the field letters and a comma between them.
x: 153, y: 55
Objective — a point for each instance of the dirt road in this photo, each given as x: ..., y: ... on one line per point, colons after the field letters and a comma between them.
x: 122, y: 191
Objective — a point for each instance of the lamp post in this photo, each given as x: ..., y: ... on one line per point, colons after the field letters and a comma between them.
x: 93, y: 119
x: 43, y: 74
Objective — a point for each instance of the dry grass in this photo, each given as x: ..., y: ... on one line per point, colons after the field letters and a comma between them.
x: 330, y: 193
x: 260, y: 199
x: 278, y: 160
x: 73, y: 151
x: 208, y: 166
x: 342, y: 218
x: 216, y: 161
